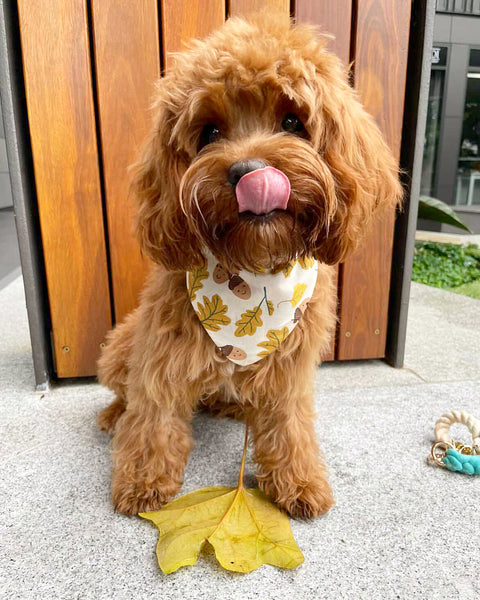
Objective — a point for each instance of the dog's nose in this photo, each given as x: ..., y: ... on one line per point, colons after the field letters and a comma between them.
x: 242, y: 167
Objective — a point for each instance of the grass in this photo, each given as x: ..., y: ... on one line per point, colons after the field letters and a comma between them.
x: 449, y: 266
x: 471, y: 289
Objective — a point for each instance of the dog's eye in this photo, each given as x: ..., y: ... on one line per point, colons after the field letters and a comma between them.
x: 292, y: 124
x: 210, y: 133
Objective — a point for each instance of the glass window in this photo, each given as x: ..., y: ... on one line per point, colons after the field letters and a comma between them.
x: 434, y: 113
x: 468, y: 171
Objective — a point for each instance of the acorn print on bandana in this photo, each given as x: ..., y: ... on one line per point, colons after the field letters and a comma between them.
x: 248, y: 315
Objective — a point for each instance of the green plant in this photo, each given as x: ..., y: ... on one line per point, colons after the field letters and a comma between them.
x: 471, y: 289
x: 445, y: 265
x: 434, y: 209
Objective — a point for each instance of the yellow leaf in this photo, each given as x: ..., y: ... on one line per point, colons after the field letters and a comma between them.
x: 270, y: 307
x: 275, y: 338
x: 195, y: 280
x: 307, y: 262
x: 245, y: 529
x: 298, y: 292
x: 285, y: 270
x: 249, y: 321
x: 212, y: 313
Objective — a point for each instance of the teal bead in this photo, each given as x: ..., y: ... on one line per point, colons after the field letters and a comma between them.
x: 463, y: 463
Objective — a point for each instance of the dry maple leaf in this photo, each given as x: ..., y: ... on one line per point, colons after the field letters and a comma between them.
x: 245, y: 529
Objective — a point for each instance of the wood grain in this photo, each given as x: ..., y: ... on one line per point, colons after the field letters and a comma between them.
x: 240, y: 8
x: 127, y: 61
x: 55, y: 52
x: 380, y: 74
x: 333, y: 17
x: 183, y: 20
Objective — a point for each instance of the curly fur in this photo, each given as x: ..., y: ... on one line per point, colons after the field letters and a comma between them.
x: 160, y: 362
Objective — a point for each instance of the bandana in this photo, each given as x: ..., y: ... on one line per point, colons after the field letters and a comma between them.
x: 248, y: 315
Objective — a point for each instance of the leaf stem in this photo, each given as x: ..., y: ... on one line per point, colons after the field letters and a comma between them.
x: 264, y: 297
x: 242, y: 464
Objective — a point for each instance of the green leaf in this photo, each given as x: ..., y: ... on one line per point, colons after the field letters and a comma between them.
x: 445, y: 265
x: 245, y: 529
x: 434, y: 209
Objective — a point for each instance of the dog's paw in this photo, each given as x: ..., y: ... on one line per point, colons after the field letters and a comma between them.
x: 135, y: 498
x: 108, y: 417
x: 303, y: 502
x: 312, y: 502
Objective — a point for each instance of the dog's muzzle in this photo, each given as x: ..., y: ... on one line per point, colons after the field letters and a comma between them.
x: 259, y: 189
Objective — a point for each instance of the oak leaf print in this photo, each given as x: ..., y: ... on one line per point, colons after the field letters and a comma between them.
x: 194, y: 282
x: 213, y: 313
x: 274, y: 338
x: 249, y: 321
x: 306, y: 263
x: 286, y: 270
x: 270, y: 307
x: 298, y: 292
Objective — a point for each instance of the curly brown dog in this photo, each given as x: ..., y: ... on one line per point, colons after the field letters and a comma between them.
x: 259, y: 99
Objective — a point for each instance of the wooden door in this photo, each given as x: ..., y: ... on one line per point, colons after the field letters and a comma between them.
x: 60, y: 103
x: 90, y: 69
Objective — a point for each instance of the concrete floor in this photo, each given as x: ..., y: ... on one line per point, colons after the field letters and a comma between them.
x: 400, y: 529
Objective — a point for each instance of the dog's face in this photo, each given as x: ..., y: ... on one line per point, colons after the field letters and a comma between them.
x: 260, y: 152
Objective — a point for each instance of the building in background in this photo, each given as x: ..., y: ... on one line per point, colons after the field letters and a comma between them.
x: 451, y: 160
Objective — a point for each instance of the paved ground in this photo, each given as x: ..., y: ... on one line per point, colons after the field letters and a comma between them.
x: 400, y: 529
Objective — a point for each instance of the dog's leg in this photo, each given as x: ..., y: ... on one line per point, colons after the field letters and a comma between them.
x: 108, y: 417
x: 151, y: 448
x: 219, y: 405
x: 113, y: 370
x: 290, y: 470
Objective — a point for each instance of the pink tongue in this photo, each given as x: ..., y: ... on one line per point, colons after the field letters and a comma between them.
x: 262, y: 191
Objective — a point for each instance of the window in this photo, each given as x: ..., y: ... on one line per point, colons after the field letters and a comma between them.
x: 468, y: 170
x: 434, y: 113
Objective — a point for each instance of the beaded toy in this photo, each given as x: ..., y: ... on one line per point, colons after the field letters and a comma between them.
x: 453, y: 455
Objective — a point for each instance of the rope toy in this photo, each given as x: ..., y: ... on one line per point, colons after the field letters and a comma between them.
x: 453, y: 455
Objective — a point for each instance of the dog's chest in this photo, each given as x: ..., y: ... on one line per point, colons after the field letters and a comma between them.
x: 249, y: 315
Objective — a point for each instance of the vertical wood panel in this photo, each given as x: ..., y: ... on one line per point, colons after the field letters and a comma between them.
x: 55, y: 50
x: 334, y: 18
x: 186, y: 19
x: 380, y: 75
x: 127, y: 60
x: 241, y: 8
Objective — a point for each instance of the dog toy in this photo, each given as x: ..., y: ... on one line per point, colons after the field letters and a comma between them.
x: 454, y: 455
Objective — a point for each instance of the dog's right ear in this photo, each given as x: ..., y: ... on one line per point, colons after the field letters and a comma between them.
x: 161, y: 226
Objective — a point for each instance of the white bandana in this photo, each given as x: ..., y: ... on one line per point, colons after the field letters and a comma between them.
x: 248, y: 315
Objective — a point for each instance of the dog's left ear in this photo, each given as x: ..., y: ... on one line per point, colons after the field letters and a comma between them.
x: 161, y: 227
x: 364, y: 171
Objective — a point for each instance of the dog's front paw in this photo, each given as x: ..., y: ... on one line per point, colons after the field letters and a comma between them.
x: 136, y: 497
x: 312, y: 501
x: 301, y: 501
x: 108, y: 417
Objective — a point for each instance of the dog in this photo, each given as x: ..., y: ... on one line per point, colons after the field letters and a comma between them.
x: 261, y: 164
